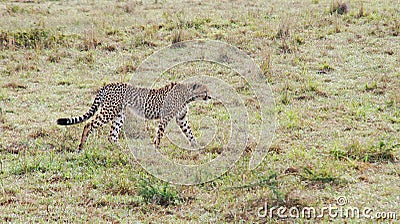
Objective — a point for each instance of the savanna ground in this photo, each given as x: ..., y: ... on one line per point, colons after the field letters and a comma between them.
x: 334, y: 70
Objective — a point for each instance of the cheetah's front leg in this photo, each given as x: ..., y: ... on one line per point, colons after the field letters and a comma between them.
x: 181, y: 121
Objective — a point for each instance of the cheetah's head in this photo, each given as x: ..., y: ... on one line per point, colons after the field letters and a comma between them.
x: 198, y: 92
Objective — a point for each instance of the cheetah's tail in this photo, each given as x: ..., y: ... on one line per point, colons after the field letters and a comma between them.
x: 76, y: 120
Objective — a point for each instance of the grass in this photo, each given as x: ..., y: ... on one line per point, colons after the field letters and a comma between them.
x: 332, y: 65
x: 161, y: 195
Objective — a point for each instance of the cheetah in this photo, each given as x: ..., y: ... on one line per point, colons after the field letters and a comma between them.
x: 166, y: 103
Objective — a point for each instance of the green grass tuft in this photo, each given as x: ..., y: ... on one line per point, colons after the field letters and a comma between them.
x: 163, y: 194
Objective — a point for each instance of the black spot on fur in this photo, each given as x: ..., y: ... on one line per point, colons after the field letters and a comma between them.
x: 195, y: 86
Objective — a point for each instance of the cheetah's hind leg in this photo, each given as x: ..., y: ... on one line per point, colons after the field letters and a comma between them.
x: 116, y: 126
x: 160, y: 131
x: 99, y: 121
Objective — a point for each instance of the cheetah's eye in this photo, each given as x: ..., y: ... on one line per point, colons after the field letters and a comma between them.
x: 206, y: 96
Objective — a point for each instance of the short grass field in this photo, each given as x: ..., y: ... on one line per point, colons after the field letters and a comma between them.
x: 334, y: 70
